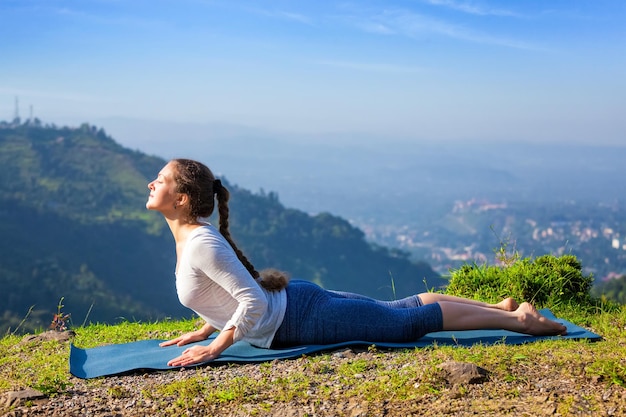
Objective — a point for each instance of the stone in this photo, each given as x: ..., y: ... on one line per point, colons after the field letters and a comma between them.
x: 49, y: 335
x: 346, y: 354
x: 15, y: 397
x: 463, y: 373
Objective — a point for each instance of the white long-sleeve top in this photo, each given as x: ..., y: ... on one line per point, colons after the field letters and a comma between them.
x: 212, y: 282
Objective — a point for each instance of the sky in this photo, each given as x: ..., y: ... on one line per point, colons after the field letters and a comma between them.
x: 525, y: 70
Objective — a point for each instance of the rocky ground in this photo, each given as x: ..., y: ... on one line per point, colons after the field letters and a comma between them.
x: 322, y: 387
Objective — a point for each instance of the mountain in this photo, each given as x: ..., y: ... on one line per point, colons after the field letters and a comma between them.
x: 75, y: 230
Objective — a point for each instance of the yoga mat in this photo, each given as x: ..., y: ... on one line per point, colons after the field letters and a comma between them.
x: 147, y: 355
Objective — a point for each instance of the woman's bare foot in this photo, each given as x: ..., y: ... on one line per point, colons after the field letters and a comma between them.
x: 508, y: 304
x: 534, y: 323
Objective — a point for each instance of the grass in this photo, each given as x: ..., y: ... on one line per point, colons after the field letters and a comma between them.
x: 377, y: 377
x: 565, y: 377
x: 44, y: 365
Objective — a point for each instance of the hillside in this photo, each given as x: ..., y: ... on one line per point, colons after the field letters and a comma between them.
x: 74, y: 226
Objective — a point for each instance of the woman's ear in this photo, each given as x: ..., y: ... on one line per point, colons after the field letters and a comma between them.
x: 181, y: 200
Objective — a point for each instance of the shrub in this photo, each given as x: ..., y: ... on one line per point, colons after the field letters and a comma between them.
x: 546, y: 281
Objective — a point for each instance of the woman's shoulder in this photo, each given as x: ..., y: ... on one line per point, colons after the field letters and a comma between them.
x: 204, y: 231
x: 205, y: 237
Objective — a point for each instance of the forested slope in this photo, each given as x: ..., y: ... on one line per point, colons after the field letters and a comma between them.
x: 74, y: 225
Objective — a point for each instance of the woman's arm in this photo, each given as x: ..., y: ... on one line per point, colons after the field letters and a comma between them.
x: 195, y: 336
x: 197, y: 354
x: 214, y: 264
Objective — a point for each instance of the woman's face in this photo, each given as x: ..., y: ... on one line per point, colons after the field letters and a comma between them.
x: 163, y: 193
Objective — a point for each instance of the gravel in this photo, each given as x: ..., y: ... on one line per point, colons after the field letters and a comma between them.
x: 328, y: 392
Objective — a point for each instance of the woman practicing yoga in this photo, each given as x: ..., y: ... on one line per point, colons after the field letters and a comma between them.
x: 215, y: 280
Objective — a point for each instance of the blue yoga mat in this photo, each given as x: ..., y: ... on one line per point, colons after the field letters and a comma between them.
x: 147, y: 355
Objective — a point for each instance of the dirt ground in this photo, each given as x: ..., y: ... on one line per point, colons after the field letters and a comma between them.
x: 332, y: 385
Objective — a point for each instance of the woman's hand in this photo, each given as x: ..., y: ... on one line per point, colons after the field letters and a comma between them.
x: 195, y: 336
x: 193, y: 355
x: 199, y: 353
x: 184, y: 339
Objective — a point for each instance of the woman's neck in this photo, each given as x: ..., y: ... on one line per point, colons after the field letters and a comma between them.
x: 180, y: 229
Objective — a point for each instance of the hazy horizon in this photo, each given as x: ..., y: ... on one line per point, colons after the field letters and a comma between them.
x: 355, y: 177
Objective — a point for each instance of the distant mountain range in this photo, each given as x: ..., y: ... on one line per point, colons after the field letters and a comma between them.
x: 386, y: 180
x: 74, y: 227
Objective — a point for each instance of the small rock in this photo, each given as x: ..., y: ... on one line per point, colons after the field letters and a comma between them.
x: 463, y: 373
x: 49, y: 335
x: 541, y: 398
x: 14, y: 397
x: 356, y: 408
x: 348, y: 354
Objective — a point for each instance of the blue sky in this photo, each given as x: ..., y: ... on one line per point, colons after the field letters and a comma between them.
x: 535, y: 70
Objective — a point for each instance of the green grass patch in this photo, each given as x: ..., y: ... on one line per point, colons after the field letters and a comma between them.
x: 373, y: 376
x: 557, y: 282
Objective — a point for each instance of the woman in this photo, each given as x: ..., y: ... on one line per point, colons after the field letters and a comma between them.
x: 214, y: 279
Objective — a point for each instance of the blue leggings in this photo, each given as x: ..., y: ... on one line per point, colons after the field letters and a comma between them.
x: 318, y: 316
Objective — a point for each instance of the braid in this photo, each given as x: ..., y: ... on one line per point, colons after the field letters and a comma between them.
x: 270, y: 279
x: 223, y: 195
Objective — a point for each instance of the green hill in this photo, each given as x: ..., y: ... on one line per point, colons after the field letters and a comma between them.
x: 74, y: 226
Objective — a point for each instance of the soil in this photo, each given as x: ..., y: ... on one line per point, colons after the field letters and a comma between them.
x: 539, y: 391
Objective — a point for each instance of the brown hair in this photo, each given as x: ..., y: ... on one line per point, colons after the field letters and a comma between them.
x: 198, y: 182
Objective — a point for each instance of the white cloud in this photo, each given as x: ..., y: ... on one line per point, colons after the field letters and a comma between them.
x: 371, y: 67
x: 110, y: 18
x: 415, y: 25
x: 472, y: 8
x: 284, y: 15
x: 293, y: 16
x: 376, y: 27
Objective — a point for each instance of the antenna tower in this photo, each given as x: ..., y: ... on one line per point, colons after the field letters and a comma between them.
x: 17, y: 109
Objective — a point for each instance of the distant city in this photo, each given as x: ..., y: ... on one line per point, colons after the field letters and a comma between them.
x: 596, y: 235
